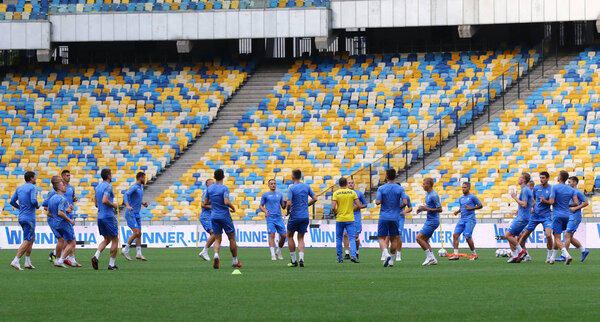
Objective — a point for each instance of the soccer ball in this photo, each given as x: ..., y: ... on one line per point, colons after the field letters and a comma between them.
x: 442, y: 252
x: 498, y: 252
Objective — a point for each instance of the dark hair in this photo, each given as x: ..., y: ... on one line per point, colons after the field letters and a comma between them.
x: 29, y: 175
x: 343, y: 182
x: 467, y: 183
x: 574, y: 178
x: 219, y: 175
x: 526, y: 176
x: 297, y: 174
x: 430, y: 180
x: 64, y: 172
x: 139, y: 175
x: 206, y: 182
x: 545, y: 174
x: 105, y: 173
x: 564, y: 175
x: 390, y: 174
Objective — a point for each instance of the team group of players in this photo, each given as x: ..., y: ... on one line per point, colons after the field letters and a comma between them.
x: 557, y: 208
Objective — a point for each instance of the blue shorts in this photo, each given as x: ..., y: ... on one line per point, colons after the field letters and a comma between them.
x: 28, y: 230
x: 220, y: 225
x: 66, y: 231
x: 573, y: 224
x: 133, y: 220
x: 298, y: 225
x: 401, y: 225
x: 429, y: 227
x: 108, y: 227
x: 358, y: 227
x: 275, y: 225
x: 52, y: 226
x: 517, y: 226
x: 206, y: 224
x: 546, y: 223
x: 559, y: 224
x: 465, y: 227
x: 387, y: 228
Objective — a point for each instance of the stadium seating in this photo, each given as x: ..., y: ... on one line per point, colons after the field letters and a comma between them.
x: 83, y: 118
x: 84, y: 6
x: 24, y: 10
x: 332, y: 116
x: 555, y: 128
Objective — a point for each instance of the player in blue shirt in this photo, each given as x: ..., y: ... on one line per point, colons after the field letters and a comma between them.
x: 60, y: 243
x: 560, y: 199
x: 271, y: 204
x: 297, y: 210
x: 357, y: 221
x: 433, y: 206
x: 468, y: 204
x: 218, y: 196
x: 133, y: 199
x: 575, y: 220
x: 541, y: 214
x: 58, y: 207
x: 107, y: 222
x: 405, y: 211
x: 205, y: 219
x: 25, y: 199
x: 392, y: 198
x: 525, y: 202
x: 71, y: 199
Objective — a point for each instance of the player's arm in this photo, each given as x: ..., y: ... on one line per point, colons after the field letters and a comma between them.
x: 61, y: 212
x: 522, y: 203
x: 477, y: 206
x: 576, y: 201
x: 228, y: 203
x: 550, y: 200
x: 334, y: 206
x: 407, y: 210
x: 205, y: 203
x: 357, y: 204
x: 126, y: 197
x: 313, y: 198
x: 262, y: 206
x: 107, y: 202
x: 33, y: 197
x: 13, y: 201
x: 580, y: 206
x: 457, y: 212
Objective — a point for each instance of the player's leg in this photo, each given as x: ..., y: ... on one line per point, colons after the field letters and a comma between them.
x: 339, y: 236
x: 138, y: 242
x: 271, y: 231
x: 25, y: 248
x: 280, y: 244
x: 351, y: 233
x: 216, y: 248
x: 468, y: 233
x: 233, y: 245
x: 130, y: 240
x: 301, y: 248
x: 60, y: 246
x: 458, y: 230
x: 346, y: 246
x: 399, y: 239
x: 511, y: 234
x: 549, y: 242
x: 558, y: 226
x: 358, y: 231
x: 383, y: 238
x: 291, y: 246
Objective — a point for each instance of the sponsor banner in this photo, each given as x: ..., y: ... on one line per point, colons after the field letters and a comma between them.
x: 255, y: 235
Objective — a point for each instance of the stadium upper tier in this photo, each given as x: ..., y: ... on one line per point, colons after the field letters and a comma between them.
x: 553, y: 129
x: 135, y: 118
x: 24, y: 10
x: 332, y: 116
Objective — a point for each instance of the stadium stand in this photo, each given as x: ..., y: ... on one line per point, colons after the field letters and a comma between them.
x: 83, y: 118
x: 24, y: 10
x: 553, y: 129
x: 84, y: 6
x: 334, y: 115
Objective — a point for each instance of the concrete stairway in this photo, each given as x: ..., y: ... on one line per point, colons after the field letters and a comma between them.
x: 256, y: 88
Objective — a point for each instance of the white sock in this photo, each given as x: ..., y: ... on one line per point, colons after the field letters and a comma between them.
x: 549, y: 253
x: 357, y: 252
x: 216, y: 255
x: 60, y: 260
x: 392, y: 259
x: 582, y: 249
x: 235, y: 261
x: 293, y: 255
x: 386, y: 253
x: 301, y: 256
x: 554, y: 253
x: 398, y: 255
x: 54, y: 252
x: 97, y: 255
x: 16, y: 260
x: 347, y: 252
x: 126, y: 247
x: 138, y: 249
x: 565, y: 252
x: 27, y: 260
x: 428, y: 253
x: 111, y: 261
x: 455, y: 251
x: 277, y: 250
x: 519, y: 249
x: 272, y: 249
x: 204, y: 250
x: 72, y: 259
x: 514, y: 252
x: 474, y: 252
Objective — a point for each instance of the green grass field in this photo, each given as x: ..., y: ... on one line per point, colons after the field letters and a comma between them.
x: 175, y: 284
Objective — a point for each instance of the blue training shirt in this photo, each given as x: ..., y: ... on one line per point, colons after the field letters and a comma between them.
x: 541, y: 210
x: 469, y: 200
x: 432, y: 200
x: 205, y: 214
x: 562, y: 195
x: 391, y: 196
x: 70, y: 195
x: 56, y: 203
x: 26, y: 195
x: 525, y: 195
x: 134, y: 197
x: 104, y: 211
x: 217, y: 193
x: 298, y: 194
x: 581, y: 198
x: 361, y: 198
x: 272, y: 201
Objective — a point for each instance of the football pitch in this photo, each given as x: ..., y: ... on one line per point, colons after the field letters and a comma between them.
x: 175, y: 284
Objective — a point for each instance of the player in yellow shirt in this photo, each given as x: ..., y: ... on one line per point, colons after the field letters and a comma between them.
x: 343, y: 204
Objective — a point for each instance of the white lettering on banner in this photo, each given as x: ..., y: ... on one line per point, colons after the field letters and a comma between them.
x: 484, y: 236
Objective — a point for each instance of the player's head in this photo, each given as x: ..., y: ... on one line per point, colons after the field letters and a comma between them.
x: 524, y: 178
x: 351, y: 183
x: 272, y: 185
x: 390, y: 174
x: 531, y: 184
x: 106, y: 174
x: 544, y: 176
x: 563, y: 176
x: 219, y: 175
x: 466, y: 187
x: 209, y: 182
x: 573, y: 181
x: 58, y: 184
x: 427, y: 184
x: 140, y: 177
x: 66, y: 176
x: 296, y: 174
x: 343, y: 182
x: 30, y: 177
